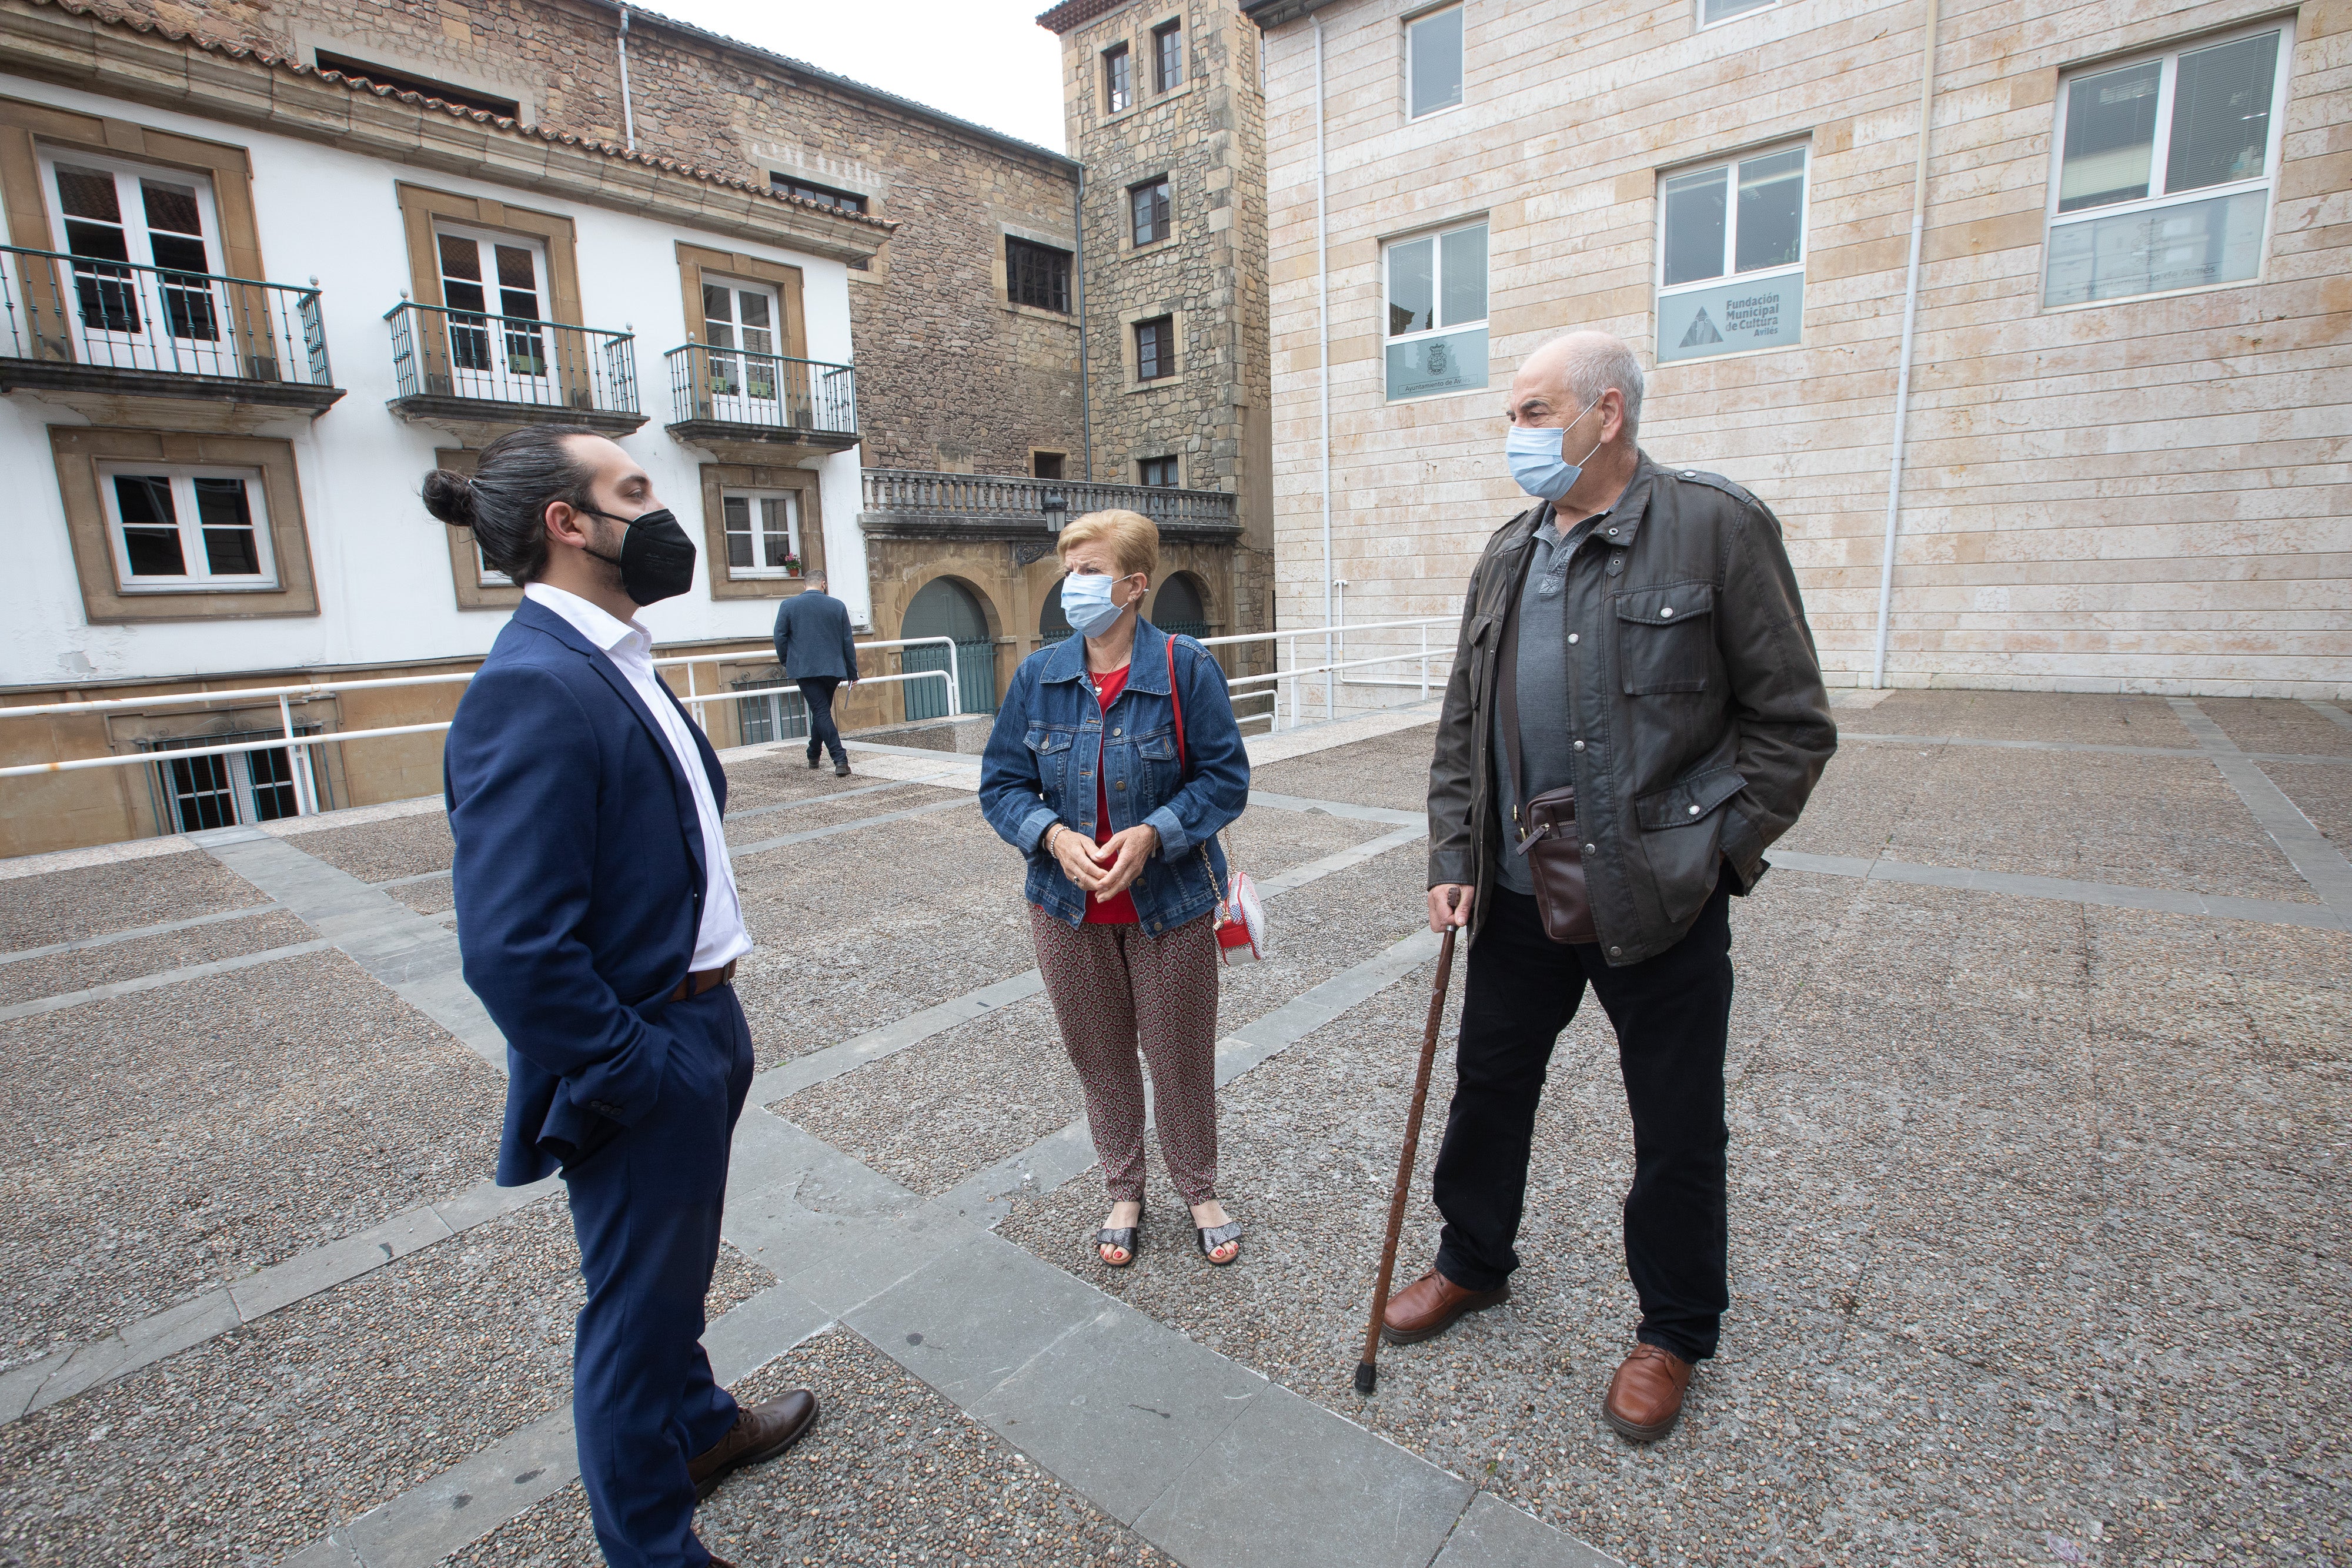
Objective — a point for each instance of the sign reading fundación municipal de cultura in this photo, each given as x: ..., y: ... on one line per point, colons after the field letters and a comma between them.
x: 1742, y: 313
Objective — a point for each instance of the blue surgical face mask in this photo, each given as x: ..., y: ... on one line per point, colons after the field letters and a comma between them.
x: 1534, y: 453
x: 1085, y: 603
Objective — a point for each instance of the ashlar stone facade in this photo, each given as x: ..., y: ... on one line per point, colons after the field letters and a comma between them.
x: 1200, y: 269
x: 2142, y: 489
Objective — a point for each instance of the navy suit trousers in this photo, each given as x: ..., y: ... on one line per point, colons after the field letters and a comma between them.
x: 1673, y: 1016
x: 646, y: 1207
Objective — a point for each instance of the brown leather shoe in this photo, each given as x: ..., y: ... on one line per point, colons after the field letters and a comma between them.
x: 1645, y: 1397
x: 759, y: 1434
x: 1427, y: 1308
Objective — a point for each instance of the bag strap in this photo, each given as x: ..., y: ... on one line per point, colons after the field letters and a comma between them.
x: 1183, y: 765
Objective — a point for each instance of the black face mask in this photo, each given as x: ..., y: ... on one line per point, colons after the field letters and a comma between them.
x: 657, y: 558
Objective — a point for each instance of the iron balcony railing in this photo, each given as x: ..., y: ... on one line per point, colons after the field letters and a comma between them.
x: 736, y: 386
x: 437, y: 352
x: 120, y: 316
x: 918, y: 493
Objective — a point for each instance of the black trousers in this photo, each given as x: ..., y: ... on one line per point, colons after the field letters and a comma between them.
x: 1672, y: 1014
x: 817, y: 692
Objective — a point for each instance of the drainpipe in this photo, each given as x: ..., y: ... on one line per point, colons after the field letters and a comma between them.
x: 628, y: 116
x: 1323, y: 360
x: 1085, y: 366
x: 1903, y: 364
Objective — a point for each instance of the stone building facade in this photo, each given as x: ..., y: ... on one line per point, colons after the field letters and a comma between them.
x: 2120, y: 462
x: 1163, y: 107
x: 950, y: 376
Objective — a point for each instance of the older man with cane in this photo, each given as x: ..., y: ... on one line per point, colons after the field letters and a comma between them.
x: 1635, y: 714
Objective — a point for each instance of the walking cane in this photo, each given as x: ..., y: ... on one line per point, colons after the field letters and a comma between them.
x: 1368, y: 1372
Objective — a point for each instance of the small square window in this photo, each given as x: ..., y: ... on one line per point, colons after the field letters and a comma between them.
x: 1147, y: 208
x: 1731, y: 254
x: 1047, y: 464
x: 1713, y: 11
x: 1168, y: 57
x: 2165, y: 170
x: 1118, y: 79
x: 1038, y: 275
x: 1433, y: 48
x: 762, y: 533
x: 181, y: 530
x: 1155, y: 348
x: 1159, y: 472
x: 1437, y: 327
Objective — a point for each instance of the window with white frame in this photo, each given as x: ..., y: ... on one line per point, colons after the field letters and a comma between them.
x: 763, y: 532
x: 180, y: 530
x: 1433, y: 61
x: 1731, y: 254
x: 1435, y: 293
x: 1713, y: 11
x: 2165, y: 169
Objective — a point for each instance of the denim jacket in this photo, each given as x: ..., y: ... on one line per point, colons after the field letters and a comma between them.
x: 1051, y: 736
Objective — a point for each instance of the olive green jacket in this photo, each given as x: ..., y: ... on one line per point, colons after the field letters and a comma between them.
x: 1693, y: 686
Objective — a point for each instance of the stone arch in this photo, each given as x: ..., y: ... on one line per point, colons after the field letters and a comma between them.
x: 1182, y: 603
x: 951, y: 606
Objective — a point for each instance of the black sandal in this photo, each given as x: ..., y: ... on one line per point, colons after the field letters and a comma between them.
x: 1124, y: 1239
x: 1211, y: 1238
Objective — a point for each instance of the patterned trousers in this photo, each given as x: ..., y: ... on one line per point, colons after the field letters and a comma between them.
x: 1114, y: 988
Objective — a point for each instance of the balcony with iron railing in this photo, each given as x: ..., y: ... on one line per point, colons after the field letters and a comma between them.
x: 986, y: 505
x: 79, y: 323
x: 727, y: 394
x: 466, y: 367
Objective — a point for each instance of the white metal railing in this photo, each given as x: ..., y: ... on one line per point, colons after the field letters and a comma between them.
x: 1335, y: 661
x: 298, y: 746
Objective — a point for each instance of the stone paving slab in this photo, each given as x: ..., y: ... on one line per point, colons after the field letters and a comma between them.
x: 2322, y: 794
x: 2278, y: 724
x: 2082, y: 717
x: 176, y: 1138
x: 85, y: 968
x: 86, y: 901
x: 1391, y: 770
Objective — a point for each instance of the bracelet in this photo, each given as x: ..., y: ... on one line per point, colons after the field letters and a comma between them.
x: 1056, y: 828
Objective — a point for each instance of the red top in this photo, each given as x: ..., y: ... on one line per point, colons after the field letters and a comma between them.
x: 1120, y: 910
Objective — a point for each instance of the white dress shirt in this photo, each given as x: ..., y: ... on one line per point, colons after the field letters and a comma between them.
x: 631, y: 648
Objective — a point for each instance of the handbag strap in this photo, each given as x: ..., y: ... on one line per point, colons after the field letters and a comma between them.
x: 1183, y: 765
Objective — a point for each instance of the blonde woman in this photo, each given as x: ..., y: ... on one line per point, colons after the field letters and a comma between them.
x: 1113, y: 764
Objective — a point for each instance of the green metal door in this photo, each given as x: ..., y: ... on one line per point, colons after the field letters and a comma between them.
x: 947, y: 608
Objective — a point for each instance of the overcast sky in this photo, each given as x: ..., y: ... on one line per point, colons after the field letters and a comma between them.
x: 982, y: 60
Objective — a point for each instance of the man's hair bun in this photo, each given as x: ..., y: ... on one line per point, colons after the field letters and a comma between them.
x: 451, y: 497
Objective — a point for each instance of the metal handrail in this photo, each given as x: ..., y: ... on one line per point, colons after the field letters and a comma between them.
x: 127, y: 316
x: 994, y: 496
x: 1335, y: 660
x: 737, y: 386
x: 479, y: 355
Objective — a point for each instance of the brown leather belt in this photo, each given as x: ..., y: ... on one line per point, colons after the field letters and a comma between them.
x: 702, y: 980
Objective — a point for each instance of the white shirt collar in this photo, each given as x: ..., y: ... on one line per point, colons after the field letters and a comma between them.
x: 591, y: 621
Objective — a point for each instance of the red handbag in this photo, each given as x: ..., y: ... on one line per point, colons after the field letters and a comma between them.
x: 1242, y: 936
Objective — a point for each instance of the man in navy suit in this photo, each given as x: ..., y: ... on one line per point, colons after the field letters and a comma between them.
x: 599, y: 921
x: 815, y: 646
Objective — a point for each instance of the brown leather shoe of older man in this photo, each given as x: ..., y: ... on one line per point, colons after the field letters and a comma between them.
x: 759, y: 1434
x: 1427, y: 1308
x: 1645, y: 1397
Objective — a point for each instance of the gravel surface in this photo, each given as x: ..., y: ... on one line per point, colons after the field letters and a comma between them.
x: 378, y: 852
x: 88, y: 901
x: 891, y: 1474
x: 2322, y: 793
x: 257, y: 1442
x: 2277, y: 724
x: 435, y: 897
x: 170, y: 1140
x: 2083, y: 718
x: 1390, y: 770
x: 2015, y: 1279
x: 820, y: 813
x: 89, y: 967
x: 955, y: 1104
x: 967, y: 736
x: 784, y: 775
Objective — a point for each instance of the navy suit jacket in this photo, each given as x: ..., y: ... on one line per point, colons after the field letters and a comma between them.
x: 579, y: 882
x: 813, y: 640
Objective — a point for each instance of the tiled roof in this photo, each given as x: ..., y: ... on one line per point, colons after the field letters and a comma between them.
x: 1077, y: 12
x: 274, y: 61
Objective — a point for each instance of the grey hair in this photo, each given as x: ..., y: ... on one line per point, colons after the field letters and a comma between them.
x: 815, y: 578
x: 1597, y: 362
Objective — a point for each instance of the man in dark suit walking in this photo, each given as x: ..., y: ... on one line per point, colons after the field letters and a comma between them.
x: 599, y: 922
x: 817, y: 652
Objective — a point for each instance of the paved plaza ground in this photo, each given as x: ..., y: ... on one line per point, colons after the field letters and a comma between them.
x: 2038, y: 1097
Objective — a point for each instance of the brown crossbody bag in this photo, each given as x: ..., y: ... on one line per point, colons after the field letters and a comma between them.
x: 1544, y: 828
